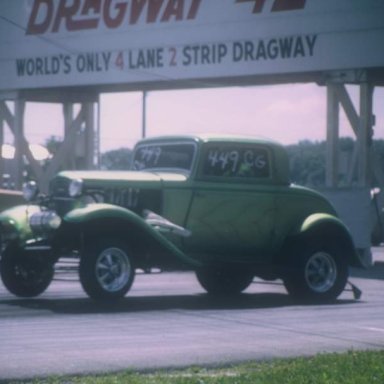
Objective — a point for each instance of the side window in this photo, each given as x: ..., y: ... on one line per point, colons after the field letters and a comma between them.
x: 236, y: 161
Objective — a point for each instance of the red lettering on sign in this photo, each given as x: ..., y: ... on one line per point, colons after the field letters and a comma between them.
x: 119, y: 62
x: 287, y: 5
x: 259, y: 4
x: 193, y: 10
x: 174, y: 8
x: 94, y: 5
x: 67, y: 14
x: 120, y: 9
x: 53, y: 16
x: 44, y: 7
x: 277, y: 6
x: 136, y: 9
x: 153, y: 10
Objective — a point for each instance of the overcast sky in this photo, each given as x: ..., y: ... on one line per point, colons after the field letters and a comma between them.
x: 288, y: 114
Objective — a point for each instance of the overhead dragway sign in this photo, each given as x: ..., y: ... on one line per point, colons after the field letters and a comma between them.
x: 61, y: 43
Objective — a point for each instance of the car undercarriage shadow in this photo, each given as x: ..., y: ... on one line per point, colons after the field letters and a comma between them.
x: 136, y: 304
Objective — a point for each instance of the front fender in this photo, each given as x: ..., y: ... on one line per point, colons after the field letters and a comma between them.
x: 98, y: 212
x: 330, y: 228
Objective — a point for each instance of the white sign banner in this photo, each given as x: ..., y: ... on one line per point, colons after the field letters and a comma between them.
x: 54, y: 43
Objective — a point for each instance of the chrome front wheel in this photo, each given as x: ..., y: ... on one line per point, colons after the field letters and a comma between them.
x: 113, y: 269
x: 106, y: 270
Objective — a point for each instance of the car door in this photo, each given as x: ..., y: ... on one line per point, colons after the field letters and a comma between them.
x: 232, y: 212
x: 232, y: 224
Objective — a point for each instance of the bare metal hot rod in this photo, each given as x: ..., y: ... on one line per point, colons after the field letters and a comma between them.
x: 222, y: 207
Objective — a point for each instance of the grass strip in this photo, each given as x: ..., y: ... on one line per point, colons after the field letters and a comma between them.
x: 348, y: 368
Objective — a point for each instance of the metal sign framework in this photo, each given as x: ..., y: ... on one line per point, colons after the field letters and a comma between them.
x: 362, y: 123
x: 71, y: 51
x: 79, y: 149
x: 80, y: 145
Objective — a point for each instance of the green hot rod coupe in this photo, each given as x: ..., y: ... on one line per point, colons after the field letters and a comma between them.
x: 220, y: 206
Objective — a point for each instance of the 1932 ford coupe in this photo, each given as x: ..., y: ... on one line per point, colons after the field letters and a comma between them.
x: 222, y: 207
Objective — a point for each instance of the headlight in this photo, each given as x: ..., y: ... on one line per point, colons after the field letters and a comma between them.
x: 30, y: 190
x: 44, y: 221
x: 75, y: 187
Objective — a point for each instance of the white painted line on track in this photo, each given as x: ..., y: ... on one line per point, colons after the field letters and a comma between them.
x: 372, y: 329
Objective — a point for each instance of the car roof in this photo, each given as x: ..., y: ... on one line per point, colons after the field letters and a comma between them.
x: 280, y: 163
x: 212, y: 137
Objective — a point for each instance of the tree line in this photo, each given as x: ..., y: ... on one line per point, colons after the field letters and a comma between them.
x: 307, y: 160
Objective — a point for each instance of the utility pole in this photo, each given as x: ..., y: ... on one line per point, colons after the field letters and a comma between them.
x: 144, y: 116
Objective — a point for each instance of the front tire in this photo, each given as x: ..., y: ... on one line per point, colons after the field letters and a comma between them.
x: 106, y: 270
x: 25, y: 275
x: 224, y: 281
x: 319, y: 274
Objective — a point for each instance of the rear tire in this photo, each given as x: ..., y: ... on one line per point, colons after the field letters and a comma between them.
x: 318, y: 274
x: 106, y: 269
x: 224, y: 280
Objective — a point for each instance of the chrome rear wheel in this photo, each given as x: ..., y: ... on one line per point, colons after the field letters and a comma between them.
x: 316, y: 273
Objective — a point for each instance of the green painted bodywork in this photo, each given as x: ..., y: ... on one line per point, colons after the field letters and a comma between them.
x: 232, y: 219
x: 94, y: 212
x: 319, y: 218
x: 15, y: 222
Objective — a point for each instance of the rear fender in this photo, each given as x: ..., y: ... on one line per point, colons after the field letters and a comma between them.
x: 330, y: 229
x: 94, y: 217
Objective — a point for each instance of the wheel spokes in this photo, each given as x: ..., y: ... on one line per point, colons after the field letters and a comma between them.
x: 113, y: 269
x: 321, y: 272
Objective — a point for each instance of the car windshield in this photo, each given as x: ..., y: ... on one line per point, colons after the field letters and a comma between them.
x: 159, y: 156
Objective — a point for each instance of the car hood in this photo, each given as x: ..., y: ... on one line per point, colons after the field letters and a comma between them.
x: 102, y: 180
x: 115, y: 178
x: 135, y: 190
